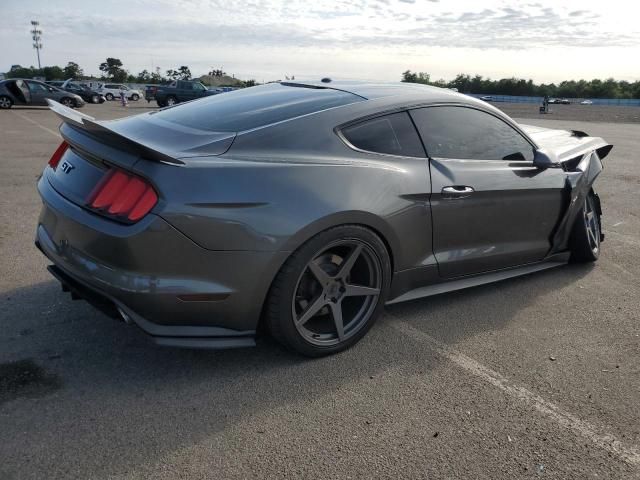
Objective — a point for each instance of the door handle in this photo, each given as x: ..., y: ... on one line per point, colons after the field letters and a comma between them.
x: 457, y: 191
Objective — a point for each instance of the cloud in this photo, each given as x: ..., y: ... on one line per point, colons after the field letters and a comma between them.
x: 209, y: 30
x: 578, y: 13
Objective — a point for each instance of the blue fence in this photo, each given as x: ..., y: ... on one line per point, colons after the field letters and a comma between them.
x: 596, y: 101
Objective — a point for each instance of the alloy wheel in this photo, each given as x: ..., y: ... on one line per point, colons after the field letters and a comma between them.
x: 337, y: 292
x: 5, y: 102
x: 592, y: 225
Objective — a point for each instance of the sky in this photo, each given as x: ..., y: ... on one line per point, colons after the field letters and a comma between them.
x: 545, y: 40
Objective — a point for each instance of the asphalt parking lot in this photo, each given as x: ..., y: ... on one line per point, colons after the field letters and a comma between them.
x: 537, y: 377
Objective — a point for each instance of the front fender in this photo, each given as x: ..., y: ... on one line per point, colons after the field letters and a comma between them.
x: 579, y: 182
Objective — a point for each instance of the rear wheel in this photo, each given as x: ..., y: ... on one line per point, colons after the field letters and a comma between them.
x: 330, y: 291
x: 95, y: 98
x: 5, y: 102
x: 67, y: 102
x: 585, y: 236
x: 171, y: 100
x: 135, y: 97
x: 109, y: 96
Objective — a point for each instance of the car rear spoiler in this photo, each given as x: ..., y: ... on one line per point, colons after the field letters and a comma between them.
x: 88, y: 124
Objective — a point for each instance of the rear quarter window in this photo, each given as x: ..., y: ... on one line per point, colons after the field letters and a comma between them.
x: 254, y: 107
x: 390, y: 134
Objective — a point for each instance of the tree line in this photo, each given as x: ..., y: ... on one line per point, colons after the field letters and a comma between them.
x: 112, y: 69
x: 609, y: 88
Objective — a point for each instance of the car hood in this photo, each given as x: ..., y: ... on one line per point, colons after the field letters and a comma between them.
x: 566, y: 144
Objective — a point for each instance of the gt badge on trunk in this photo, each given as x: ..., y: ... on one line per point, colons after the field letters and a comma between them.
x: 66, y: 167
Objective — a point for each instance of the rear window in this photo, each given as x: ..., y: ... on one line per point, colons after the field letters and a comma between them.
x: 391, y: 134
x: 253, y: 107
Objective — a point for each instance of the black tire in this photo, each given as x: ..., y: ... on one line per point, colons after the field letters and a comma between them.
x: 5, y: 102
x: 68, y: 102
x: 585, y: 237
x: 311, y: 291
x: 109, y: 96
x: 161, y: 104
x: 95, y: 98
x: 135, y: 97
x: 171, y: 100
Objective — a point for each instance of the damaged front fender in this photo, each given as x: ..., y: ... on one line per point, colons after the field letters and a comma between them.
x: 578, y: 184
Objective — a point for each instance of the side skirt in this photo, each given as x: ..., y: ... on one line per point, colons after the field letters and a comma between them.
x: 475, y: 280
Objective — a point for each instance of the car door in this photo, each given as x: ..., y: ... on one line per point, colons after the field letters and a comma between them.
x: 491, y: 207
x: 38, y: 92
x: 185, y: 91
x: 199, y: 90
x: 21, y: 92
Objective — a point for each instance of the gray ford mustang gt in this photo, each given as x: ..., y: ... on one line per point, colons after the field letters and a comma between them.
x: 304, y: 208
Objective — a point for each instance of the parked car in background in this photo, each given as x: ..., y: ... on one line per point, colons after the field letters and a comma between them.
x: 17, y: 91
x: 486, y: 98
x: 88, y: 95
x: 112, y: 91
x: 181, y: 91
x: 586, y: 102
x: 558, y: 101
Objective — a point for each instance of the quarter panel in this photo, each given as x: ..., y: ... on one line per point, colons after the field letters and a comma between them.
x: 276, y: 206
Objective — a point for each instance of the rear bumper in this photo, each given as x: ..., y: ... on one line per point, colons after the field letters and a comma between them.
x: 154, y: 276
x: 172, y: 336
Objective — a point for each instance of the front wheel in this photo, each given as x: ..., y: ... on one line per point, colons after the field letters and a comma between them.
x: 330, y: 291
x: 586, y: 233
x: 109, y: 96
x: 135, y: 97
x: 95, y: 99
x: 67, y: 102
x: 171, y: 100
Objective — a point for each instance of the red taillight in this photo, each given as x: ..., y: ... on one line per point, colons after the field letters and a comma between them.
x: 57, y: 155
x: 126, y: 197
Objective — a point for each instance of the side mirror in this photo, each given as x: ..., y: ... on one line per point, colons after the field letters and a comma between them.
x: 545, y: 159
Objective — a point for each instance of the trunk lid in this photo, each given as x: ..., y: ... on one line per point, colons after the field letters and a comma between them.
x: 144, y: 136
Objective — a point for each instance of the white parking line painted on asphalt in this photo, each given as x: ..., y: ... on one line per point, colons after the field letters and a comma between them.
x: 609, y: 443
x: 52, y: 132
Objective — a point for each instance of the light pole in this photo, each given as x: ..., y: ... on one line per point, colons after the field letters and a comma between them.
x: 36, y: 35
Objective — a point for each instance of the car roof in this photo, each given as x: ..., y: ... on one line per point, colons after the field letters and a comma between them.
x: 375, y: 90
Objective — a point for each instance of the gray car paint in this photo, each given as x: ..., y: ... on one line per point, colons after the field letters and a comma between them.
x: 233, y: 207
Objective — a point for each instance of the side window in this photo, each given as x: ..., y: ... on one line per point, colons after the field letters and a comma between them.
x: 36, y: 87
x: 391, y: 134
x: 466, y: 133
